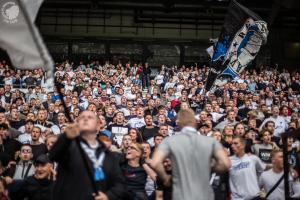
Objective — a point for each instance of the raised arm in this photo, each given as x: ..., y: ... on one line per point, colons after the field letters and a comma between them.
x: 222, y: 162
x: 59, y: 152
x: 157, y: 164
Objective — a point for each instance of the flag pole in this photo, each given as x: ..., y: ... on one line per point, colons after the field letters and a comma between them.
x: 67, y: 113
x: 82, y: 154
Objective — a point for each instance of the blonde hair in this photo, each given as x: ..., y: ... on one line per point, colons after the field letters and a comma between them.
x: 186, y: 117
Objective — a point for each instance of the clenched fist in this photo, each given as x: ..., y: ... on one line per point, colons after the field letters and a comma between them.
x: 72, y: 131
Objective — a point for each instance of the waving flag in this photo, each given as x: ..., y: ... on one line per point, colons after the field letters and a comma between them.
x: 242, y: 35
x: 20, y: 37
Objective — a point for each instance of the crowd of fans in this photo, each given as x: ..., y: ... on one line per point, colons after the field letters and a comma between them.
x: 137, y: 110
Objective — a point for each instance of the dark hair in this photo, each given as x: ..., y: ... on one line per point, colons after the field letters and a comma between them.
x: 139, y: 138
x: 25, y: 145
x: 4, y: 126
x: 266, y: 124
x: 157, y: 135
x: 29, y: 121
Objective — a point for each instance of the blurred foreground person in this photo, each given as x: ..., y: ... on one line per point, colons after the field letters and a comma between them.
x: 191, y: 154
x: 36, y: 187
x: 73, y: 181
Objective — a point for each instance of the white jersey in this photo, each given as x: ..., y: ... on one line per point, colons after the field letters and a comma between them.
x: 267, y: 180
x: 136, y: 122
x: 243, y: 176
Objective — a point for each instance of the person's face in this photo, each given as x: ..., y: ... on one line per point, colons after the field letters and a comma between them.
x: 277, y: 160
x: 147, y: 150
x: 49, y: 96
x: 14, y: 114
x: 26, y: 153
x: 240, y: 129
x: 42, y: 171
x: 87, y: 121
x: 120, y: 118
x: 208, y: 108
x: 35, y: 134
x: 167, y: 164
x: 74, y: 101
x: 217, y: 135
x: 158, y: 140
x: 123, y: 100
x: 140, y: 112
x: 2, y: 118
x: 50, y: 142
x: 92, y: 108
x: 203, y: 116
x: 237, y: 146
x: 163, y: 131
x: 293, y: 125
x: 41, y: 115
x: 290, y: 141
x: 61, y: 118
x: 3, y: 133
x: 109, y: 110
x: 28, y: 127
x: 252, y: 123
x: 148, y: 120
x: 285, y: 111
x: 204, y: 130
x: 271, y: 127
x: 30, y: 116
x: 275, y: 111
x: 266, y: 137
x: 133, y: 111
x: 231, y: 116
x: 161, y: 119
x: 129, y: 104
x: 184, y: 105
x: 133, y: 134
x: 133, y: 152
x: 126, y: 142
x: 102, y: 121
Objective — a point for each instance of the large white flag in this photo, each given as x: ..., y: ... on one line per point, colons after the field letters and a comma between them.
x: 20, y: 37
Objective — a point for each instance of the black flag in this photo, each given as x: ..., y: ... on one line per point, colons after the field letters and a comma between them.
x: 241, y: 37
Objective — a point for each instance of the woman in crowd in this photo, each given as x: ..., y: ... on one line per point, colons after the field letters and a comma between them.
x: 135, y: 171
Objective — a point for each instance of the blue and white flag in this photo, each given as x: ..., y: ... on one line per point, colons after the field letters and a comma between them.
x: 242, y: 35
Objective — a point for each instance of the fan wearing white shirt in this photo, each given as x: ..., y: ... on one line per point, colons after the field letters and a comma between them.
x: 280, y: 123
x: 269, y: 178
x: 25, y: 138
x: 138, y: 121
x: 243, y: 178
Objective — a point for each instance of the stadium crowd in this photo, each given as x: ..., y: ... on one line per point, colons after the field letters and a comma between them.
x: 137, y: 110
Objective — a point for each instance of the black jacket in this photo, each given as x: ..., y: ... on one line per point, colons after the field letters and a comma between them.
x: 72, y: 178
x: 31, y: 189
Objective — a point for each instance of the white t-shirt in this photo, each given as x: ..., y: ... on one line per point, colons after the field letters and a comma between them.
x: 243, y: 176
x: 267, y: 180
x: 159, y: 79
x: 136, y: 122
x: 280, y: 125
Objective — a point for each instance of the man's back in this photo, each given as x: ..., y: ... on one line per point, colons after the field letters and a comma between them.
x: 191, y: 162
